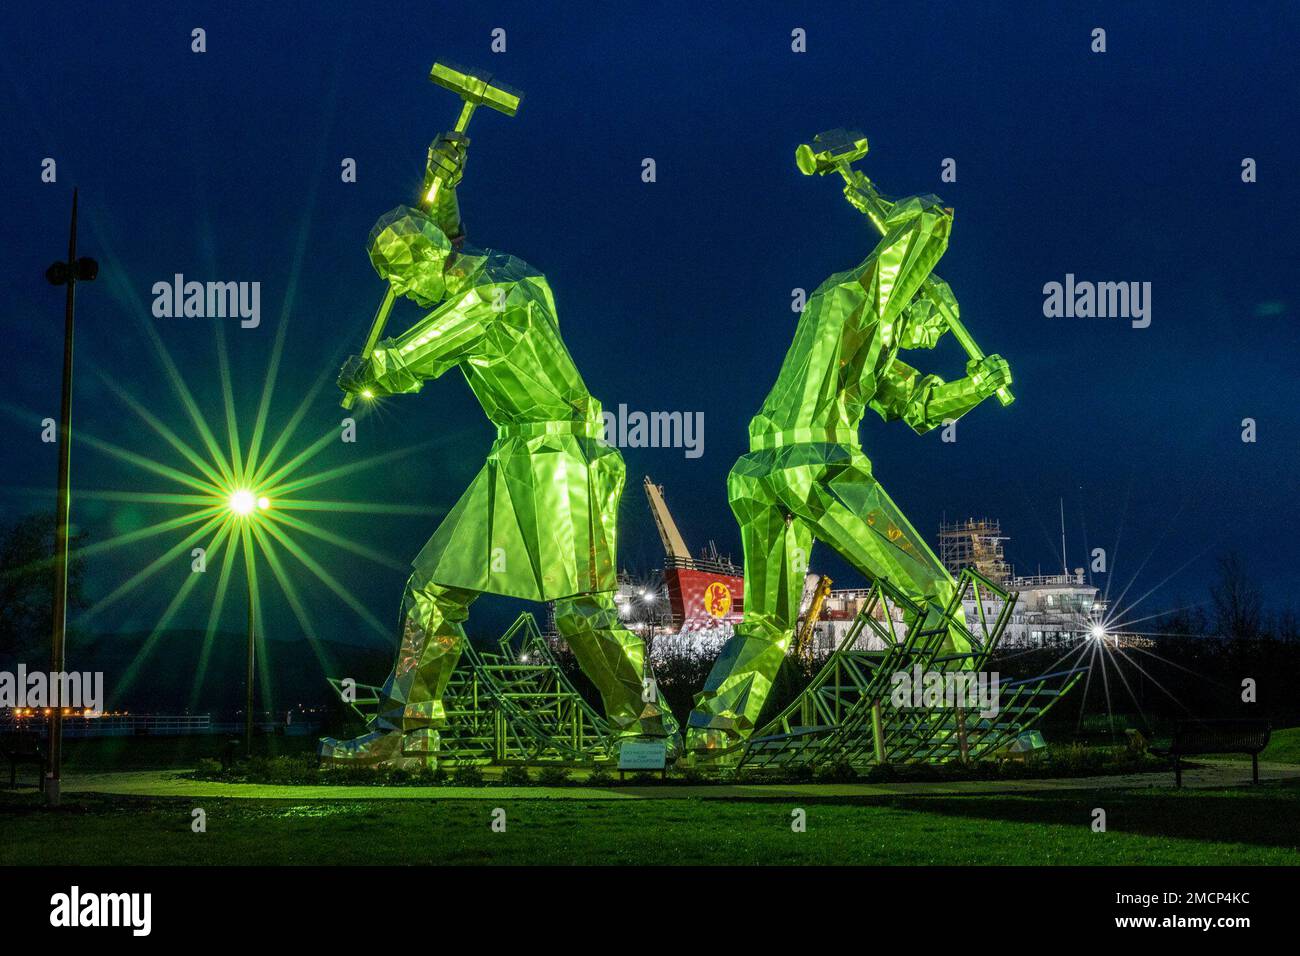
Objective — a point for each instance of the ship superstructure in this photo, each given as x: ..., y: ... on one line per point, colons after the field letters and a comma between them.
x: 704, y: 595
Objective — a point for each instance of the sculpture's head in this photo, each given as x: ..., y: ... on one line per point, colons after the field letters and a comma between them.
x: 921, y: 325
x: 409, y: 250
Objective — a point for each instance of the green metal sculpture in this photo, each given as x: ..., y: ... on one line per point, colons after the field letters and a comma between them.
x: 540, y: 519
x: 806, y: 476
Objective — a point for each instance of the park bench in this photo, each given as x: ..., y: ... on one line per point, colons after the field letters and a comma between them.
x: 1217, y: 737
x: 23, y: 748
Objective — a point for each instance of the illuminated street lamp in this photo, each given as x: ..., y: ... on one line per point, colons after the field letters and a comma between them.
x: 246, y: 505
x: 648, y: 598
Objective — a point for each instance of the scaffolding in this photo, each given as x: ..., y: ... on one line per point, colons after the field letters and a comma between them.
x: 974, y: 544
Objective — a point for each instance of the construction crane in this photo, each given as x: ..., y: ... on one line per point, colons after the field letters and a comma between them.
x: 803, y: 641
x: 674, y: 544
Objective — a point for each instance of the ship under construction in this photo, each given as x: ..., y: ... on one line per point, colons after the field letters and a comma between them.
x: 701, y: 598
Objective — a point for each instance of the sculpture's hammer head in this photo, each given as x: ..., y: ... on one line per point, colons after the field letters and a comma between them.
x: 830, y: 151
x: 476, y: 88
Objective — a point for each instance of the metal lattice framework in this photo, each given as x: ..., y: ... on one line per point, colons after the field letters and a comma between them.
x: 513, y: 704
x: 510, y: 704
x: 846, y: 714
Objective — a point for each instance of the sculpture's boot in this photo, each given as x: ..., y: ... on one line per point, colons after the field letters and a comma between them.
x: 404, y: 732
x: 728, y: 707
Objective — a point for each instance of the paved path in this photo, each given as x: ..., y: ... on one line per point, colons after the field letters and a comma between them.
x: 166, y: 783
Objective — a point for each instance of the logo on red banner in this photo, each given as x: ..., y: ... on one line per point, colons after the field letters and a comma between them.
x: 717, y: 600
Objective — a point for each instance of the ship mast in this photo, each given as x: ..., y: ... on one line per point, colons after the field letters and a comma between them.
x: 1065, y: 565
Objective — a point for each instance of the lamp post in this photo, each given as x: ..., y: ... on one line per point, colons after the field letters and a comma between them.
x: 246, y: 505
x: 652, y: 618
x: 66, y: 274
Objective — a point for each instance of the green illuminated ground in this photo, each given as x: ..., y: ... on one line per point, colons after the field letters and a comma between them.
x: 142, y: 815
x: 1283, y: 746
x: 1155, y: 826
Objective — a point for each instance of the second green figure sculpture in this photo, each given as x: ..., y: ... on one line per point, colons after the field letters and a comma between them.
x: 806, y: 477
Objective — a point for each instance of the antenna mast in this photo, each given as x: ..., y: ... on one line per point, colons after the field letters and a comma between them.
x: 1065, y: 565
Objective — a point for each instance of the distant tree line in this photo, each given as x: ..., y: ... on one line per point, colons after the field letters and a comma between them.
x: 27, y: 586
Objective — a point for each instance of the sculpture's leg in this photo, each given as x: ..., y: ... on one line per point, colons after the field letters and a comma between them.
x: 615, y: 660
x: 404, y: 732
x: 433, y: 636
x: 850, y: 511
x: 781, y: 503
x: 776, y: 547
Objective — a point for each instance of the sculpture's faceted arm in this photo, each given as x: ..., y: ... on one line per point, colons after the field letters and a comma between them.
x: 916, y: 236
x: 896, y: 390
x: 446, y: 213
x: 863, y: 196
x: 935, y: 401
x: 944, y: 300
x: 436, y: 343
x: 925, y: 402
x: 921, y: 218
x: 903, y: 393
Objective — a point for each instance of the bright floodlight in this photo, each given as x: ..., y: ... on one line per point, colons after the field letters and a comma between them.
x: 1097, y: 632
x: 243, y: 502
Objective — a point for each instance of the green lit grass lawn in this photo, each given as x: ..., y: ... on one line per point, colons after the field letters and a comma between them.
x: 1283, y: 746
x: 1162, y: 826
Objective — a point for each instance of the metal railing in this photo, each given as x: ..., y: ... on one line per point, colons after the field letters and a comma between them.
x: 118, y: 725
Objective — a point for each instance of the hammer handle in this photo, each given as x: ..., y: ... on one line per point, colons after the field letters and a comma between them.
x: 963, y: 337
x: 876, y: 213
x: 376, y: 330
x: 386, y: 306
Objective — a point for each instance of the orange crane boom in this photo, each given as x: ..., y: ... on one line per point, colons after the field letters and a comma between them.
x: 674, y: 543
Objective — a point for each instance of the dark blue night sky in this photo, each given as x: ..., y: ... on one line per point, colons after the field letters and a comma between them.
x: 1123, y: 166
